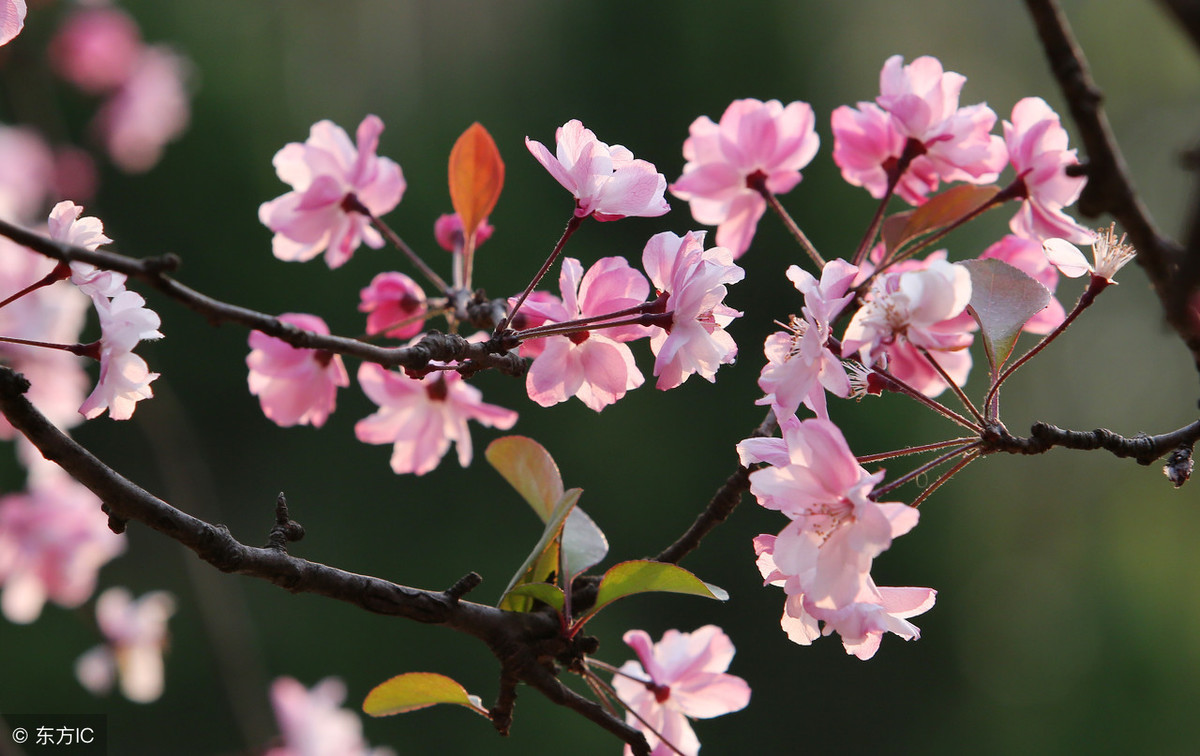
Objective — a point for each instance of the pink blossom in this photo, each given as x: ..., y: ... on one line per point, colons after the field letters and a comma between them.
x: 66, y: 226
x: 866, y: 142
x: 26, y: 174
x: 12, y: 19
x: 135, y: 635
x: 800, y: 367
x: 681, y: 676
x: 323, y: 172
x: 150, y: 110
x: 693, y: 280
x: 593, y: 365
x: 754, y: 141
x: 422, y: 416
x: 312, y: 722
x: 54, y: 539
x: 124, y: 377
x: 395, y: 306
x: 295, y: 386
x: 531, y: 316
x: 908, y: 310
x: 1108, y: 253
x: 448, y: 230
x: 1037, y: 147
x: 1027, y: 256
x: 608, y: 182
x: 96, y: 49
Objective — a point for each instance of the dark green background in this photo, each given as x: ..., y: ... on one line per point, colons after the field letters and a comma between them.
x: 1067, y: 618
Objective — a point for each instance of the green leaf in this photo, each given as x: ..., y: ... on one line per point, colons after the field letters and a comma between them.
x: 418, y: 690
x: 530, y: 469
x: 543, y: 560
x: 1003, y: 299
x: 544, y: 592
x: 644, y: 576
x: 939, y: 212
x: 583, y: 544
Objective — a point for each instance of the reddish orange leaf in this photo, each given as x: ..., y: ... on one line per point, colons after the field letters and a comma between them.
x: 476, y: 176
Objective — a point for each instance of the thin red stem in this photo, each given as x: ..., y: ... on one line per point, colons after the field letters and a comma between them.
x: 60, y: 272
x: 352, y: 204
x: 866, y: 459
x: 758, y: 182
x: 572, y: 226
x: 916, y: 472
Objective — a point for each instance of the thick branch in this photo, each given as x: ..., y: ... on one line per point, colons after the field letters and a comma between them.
x: 1109, y: 188
x: 1043, y: 436
x: 153, y: 271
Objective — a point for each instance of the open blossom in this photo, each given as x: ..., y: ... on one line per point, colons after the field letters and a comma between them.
x: 124, y: 376
x: 313, y: 722
x: 1027, y: 256
x: 150, y: 110
x: 920, y: 101
x: 54, y: 539
x: 595, y: 366
x: 693, y: 280
x: 420, y: 417
x: 323, y: 172
x: 12, y: 19
x: 66, y: 226
x: 681, y: 676
x: 395, y: 306
x: 1037, y: 148
x: 1108, y: 253
x: 135, y: 635
x: 608, y: 182
x: 763, y: 140
x: 910, y: 310
x: 836, y: 530
x: 295, y: 386
x: 862, y: 623
x: 96, y: 48
x: 800, y: 368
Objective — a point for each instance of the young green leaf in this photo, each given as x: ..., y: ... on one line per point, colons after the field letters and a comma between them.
x: 530, y: 469
x: 543, y: 560
x: 544, y: 592
x: 644, y: 576
x: 418, y: 690
x: 583, y: 544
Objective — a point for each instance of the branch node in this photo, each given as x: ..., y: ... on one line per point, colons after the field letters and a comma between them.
x: 115, y: 523
x: 506, y: 701
x: 463, y: 586
x: 286, y: 530
x: 1179, y: 465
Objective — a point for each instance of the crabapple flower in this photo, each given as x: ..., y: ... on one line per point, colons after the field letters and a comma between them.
x: 395, y: 306
x: 865, y: 139
x: 313, y: 722
x: 693, y: 280
x: 124, y: 376
x: 448, y: 230
x: 681, y: 676
x: 323, y: 172
x: 150, y: 110
x: 135, y: 635
x: 421, y: 416
x: 295, y: 386
x: 96, y: 48
x: 911, y: 310
x: 608, y: 182
x: 1109, y: 254
x: 836, y: 530
x: 1027, y: 256
x: 1037, y: 148
x: 800, y: 368
x: 66, y: 226
x: 12, y: 19
x: 595, y: 366
x: 54, y: 539
x: 27, y: 173
x: 754, y: 140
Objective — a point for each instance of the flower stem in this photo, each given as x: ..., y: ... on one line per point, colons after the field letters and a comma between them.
x: 82, y: 350
x: 962, y: 397
x: 912, y: 149
x: 758, y: 182
x: 352, y: 203
x: 866, y: 459
x: 572, y: 226
x: 911, y: 474
x: 60, y: 272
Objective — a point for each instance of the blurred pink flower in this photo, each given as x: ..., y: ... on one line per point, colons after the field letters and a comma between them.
x: 693, y: 278
x: 295, y: 386
x: 754, y: 139
x: 27, y: 174
x: 448, y: 230
x: 96, y: 48
x: 54, y: 539
x: 391, y: 299
x: 124, y: 377
x: 323, y: 172
x: 312, y: 722
x: 681, y: 676
x: 608, y: 182
x: 422, y: 416
x: 1027, y: 256
x: 1037, y: 147
x: 149, y: 110
x: 593, y: 365
x: 135, y: 635
x: 12, y: 19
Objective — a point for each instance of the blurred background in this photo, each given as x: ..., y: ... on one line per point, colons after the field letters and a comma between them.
x: 1067, y: 617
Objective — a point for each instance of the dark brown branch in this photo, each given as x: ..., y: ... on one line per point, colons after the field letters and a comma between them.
x: 152, y: 271
x: 1187, y: 13
x: 526, y: 644
x: 1109, y: 188
x: 1043, y: 436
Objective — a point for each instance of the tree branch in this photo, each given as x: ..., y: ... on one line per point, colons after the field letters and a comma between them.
x: 1109, y: 188
x: 1044, y: 436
